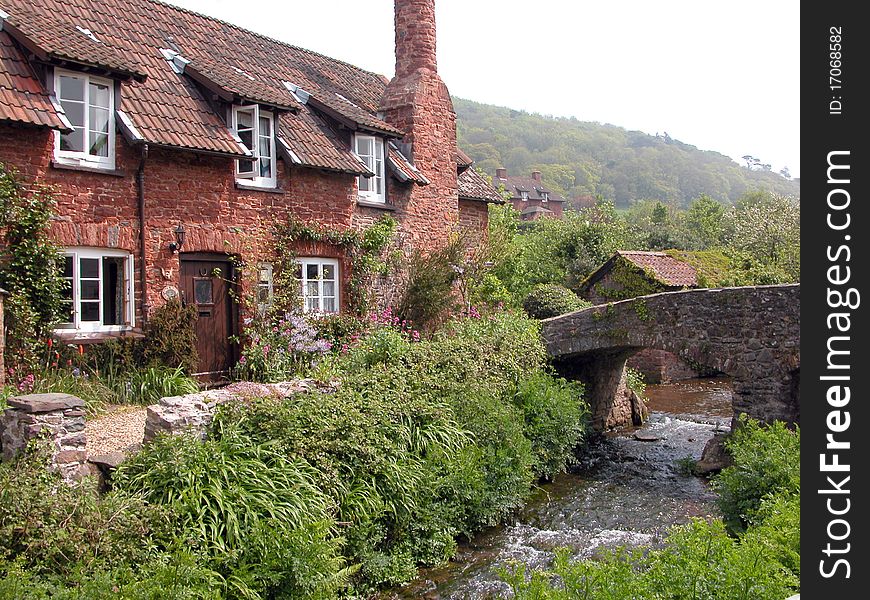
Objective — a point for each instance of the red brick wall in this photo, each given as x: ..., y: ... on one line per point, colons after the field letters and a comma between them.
x: 101, y: 210
x: 473, y: 221
x: 555, y: 207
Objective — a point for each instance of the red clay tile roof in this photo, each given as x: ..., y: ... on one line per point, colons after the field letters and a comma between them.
x: 70, y: 39
x: 170, y: 109
x: 474, y: 186
x: 22, y: 98
x: 666, y: 269
x: 237, y: 84
x: 402, y: 167
x: 518, y: 183
x: 463, y: 161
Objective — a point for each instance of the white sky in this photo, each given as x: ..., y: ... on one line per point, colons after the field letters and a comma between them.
x: 720, y: 75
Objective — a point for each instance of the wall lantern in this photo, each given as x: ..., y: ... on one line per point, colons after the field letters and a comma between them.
x: 179, y: 239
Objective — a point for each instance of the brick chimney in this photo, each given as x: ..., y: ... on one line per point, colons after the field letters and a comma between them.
x: 501, y: 173
x: 536, y: 175
x: 417, y: 102
x: 415, y: 37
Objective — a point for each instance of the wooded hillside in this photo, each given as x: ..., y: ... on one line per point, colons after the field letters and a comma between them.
x: 579, y: 158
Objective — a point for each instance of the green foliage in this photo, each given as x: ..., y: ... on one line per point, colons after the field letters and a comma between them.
x: 48, y: 527
x: 29, y: 268
x: 428, y: 293
x: 554, y: 417
x: 766, y: 463
x: 593, y: 159
x: 628, y: 281
x: 635, y: 381
x: 149, y: 385
x: 551, y: 300
x: 170, y: 337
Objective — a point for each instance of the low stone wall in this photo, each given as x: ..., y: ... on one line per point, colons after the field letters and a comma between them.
x: 193, y: 413
x: 59, y: 419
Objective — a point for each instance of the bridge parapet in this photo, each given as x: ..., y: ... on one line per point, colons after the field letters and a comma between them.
x: 750, y: 333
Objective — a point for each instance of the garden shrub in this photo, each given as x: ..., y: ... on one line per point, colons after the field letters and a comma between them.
x: 279, y: 348
x: 766, y: 462
x: 428, y: 292
x: 149, y: 385
x: 551, y: 300
x: 170, y: 337
x: 554, y: 417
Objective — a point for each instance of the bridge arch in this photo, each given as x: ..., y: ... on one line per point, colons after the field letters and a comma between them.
x: 749, y: 333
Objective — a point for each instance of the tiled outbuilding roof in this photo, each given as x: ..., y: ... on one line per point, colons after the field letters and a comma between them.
x: 402, y: 167
x: 22, y: 97
x: 169, y: 108
x: 474, y: 186
x: 666, y: 269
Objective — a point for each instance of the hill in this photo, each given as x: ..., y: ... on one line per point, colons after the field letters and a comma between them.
x: 579, y: 158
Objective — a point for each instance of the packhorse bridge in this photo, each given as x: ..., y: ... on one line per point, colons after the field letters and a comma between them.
x: 749, y: 333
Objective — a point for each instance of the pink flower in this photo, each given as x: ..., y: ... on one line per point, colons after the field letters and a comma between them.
x: 243, y: 360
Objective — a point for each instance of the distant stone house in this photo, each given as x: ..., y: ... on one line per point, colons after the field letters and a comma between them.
x: 628, y: 274
x: 529, y: 195
x: 176, y: 141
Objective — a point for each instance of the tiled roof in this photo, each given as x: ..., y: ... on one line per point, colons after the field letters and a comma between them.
x: 463, y: 161
x: 402, y: 167
x: 22, y: 98
x: 536, y: 209
x: 518, y: 183
x: 169, y: 108
x: 474, y: 186
x: 666, y: 269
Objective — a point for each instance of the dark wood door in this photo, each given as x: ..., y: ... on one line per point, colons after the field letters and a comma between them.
x: 206, y: 284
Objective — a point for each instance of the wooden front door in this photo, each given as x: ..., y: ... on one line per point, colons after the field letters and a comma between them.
x: 206, y: 282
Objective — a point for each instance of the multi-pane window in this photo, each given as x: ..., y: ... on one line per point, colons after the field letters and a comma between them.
x: 99, y: 290
x: 545, y: 196
x: 318, y: 284
x: 524, y: 196
x: 256, y: 129
x: 88, y: 103
x: 371, y: 150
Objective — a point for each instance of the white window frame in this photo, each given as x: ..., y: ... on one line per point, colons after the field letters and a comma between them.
x: 84, y: 158
x: 100, y: 253
x: 524, y: 196
x: 265, y: 282
x: 376, y: 164
x: 545, y: 196
x: 253, y: 178
x: 303, y: 282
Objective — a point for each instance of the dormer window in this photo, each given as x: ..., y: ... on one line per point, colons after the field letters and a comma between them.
x: 545, y: 196
x: 88, y: 103
x: 524, y: 196
x: 371, y: 150
x: 256, y: 129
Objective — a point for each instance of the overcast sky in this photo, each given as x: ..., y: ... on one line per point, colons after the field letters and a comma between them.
x: 721, y: 76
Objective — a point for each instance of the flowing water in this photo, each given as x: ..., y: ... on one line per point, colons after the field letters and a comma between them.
x: 624, y: 491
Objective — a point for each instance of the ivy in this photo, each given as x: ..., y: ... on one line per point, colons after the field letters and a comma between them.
x: 631, y: 282
x: 364, y: 248
x: 29, y: 262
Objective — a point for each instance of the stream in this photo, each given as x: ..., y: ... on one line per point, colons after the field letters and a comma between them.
x: 624, y: 491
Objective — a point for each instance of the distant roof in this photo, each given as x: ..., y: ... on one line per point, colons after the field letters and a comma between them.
x: 151, y: 45
x: 514, y: 184
x: 474, y: 186
x: 666, y: 269
x: 535, y: 209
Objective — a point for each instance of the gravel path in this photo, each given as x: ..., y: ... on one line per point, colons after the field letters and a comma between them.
x: 120, y: 430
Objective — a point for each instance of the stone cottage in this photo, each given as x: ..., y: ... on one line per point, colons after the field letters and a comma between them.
x: 176, y: 141
x: 529, y: 195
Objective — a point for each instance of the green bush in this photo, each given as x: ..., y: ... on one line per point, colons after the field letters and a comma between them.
x: 428, y: 292
x: 148, y: 386
x: 170, y: 337
x: 766, y: 462
x: 551, y: 300
x: 554, y: 417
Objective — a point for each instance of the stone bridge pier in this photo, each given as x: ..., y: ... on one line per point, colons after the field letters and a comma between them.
x: 749, y: 333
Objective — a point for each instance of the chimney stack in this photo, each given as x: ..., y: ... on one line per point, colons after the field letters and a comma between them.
x: 501, y: 173
x: 536, y: 175
x: 415, y: 36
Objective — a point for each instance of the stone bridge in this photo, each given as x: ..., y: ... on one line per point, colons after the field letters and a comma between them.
x: 749, y: 333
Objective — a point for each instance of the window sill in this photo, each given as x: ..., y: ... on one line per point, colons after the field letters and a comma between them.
x: 378, y: 205
x: 257, y: 188
x: 100, y: 170
x: 73, y: 336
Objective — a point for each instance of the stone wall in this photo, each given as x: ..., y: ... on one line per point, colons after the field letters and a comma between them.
x: 193, y: 413
x: 59, y: 419
x: 749, y: 333
x: 658, y: 366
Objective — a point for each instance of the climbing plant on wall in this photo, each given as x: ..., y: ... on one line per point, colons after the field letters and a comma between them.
x: 29, y: 266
